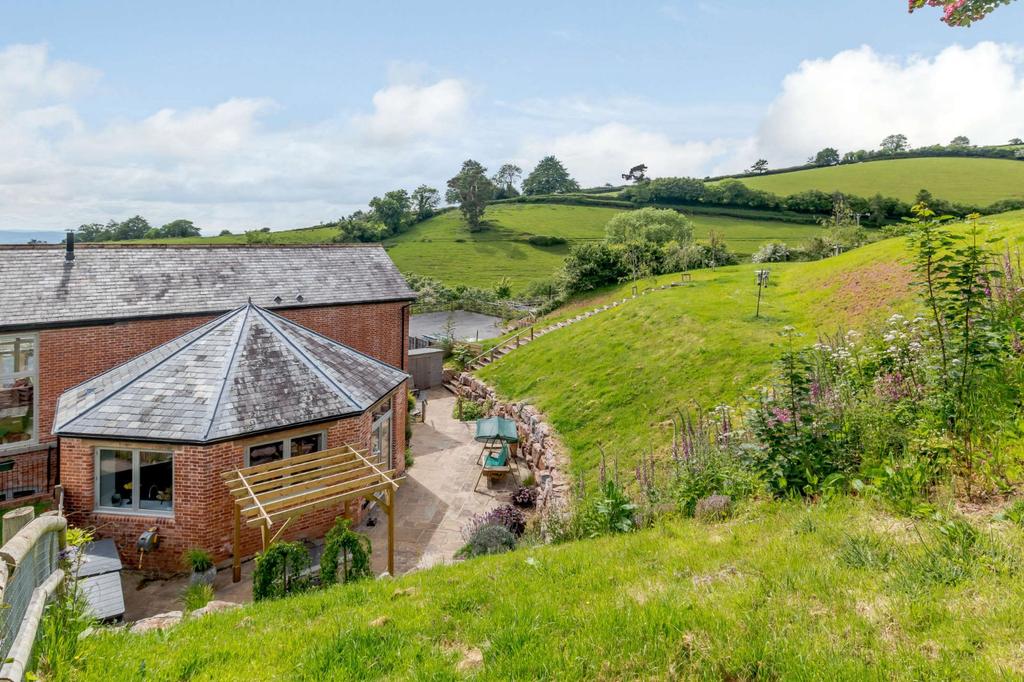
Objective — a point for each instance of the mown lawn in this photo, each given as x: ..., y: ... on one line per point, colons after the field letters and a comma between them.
x: 977, y: 181
x: 616, y: 380
x: 777, y: 593
x: 444, y: 248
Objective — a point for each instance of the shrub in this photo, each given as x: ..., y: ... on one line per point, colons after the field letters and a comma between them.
x: 197, y: 560
x: 409, y: 459
x: 545, y: 240
x: 503, y: 289
x: 351, y: 548
x: 713, y: 508
x: 772, y: 252
x: 488, y: 539
x: 197, y: 596
x: 525, y: 497
x: 655, y: 225
x: 609, y: 511
x: 468, y: 410
x: 280, y: 571
x: 506, y: 516
x: 592, y: 265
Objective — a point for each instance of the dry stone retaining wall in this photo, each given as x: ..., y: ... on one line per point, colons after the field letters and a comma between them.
x: 538, y: 443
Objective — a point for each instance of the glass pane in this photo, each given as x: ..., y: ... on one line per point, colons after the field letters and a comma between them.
x: 17, y: 354
x: 268, y: 452
x: 115, y: 476
x: 385, y: 441
x: 156, y: 481
x: 303, y: 445
x: 17, y: 422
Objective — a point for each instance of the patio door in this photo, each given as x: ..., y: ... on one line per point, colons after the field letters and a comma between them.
x: 380, y: 435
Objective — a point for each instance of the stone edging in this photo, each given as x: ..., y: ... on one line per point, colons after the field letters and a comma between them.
x: 539, y: 444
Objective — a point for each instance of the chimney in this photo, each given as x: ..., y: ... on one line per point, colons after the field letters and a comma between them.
x: 69, y: 247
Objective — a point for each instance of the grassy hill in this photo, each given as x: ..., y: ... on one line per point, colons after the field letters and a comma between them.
x: 617, y: 379
x: 971, y: 180
x: 443, y: 247
x: 778, y: 593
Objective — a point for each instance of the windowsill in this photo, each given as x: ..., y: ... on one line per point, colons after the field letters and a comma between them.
x: 118, y: 511
x: 20, y: 448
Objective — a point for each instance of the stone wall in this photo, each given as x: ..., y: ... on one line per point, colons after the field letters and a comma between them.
x: 539, y: 445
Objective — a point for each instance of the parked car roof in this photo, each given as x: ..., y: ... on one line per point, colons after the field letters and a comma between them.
x: 40, y: 288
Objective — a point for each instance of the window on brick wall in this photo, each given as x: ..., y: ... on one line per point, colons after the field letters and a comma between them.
x: 19, y: 376
x: 380, y: 434
x: 134, y: 481
x: 284, y: 448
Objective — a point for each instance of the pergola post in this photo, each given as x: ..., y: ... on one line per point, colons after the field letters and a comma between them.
x: 236, y: 543
x: 391, y: 531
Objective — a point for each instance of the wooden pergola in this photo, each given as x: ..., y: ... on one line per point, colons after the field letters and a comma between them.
x: 271, y: 495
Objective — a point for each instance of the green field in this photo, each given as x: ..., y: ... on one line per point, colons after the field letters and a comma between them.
x: 444, y: 248
x: 970, y: 180
x: 617, y: 379
x: 769, y: 595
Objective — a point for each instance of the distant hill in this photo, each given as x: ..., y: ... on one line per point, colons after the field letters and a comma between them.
x: 24, y: 236
x: 969, y: 180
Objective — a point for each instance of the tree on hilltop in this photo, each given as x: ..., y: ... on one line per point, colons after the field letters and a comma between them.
x: 471, y: 190
x: 549, y: 177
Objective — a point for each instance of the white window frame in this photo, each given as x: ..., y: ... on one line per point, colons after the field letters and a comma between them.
x: 133, y: 510
x: 389, y: 457
x: 287, y: 444
x: 31, y: 374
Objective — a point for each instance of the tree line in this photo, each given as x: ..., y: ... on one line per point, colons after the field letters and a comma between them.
x: 895, y: 146
x: 135, y: 227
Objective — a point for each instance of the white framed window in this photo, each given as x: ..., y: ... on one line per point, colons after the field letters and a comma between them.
x: 283, y: 448
x: 19, y: 402
x: 138, y: 481
x: 381, y: 434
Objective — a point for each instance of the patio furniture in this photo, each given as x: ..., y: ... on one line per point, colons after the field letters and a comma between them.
x: 497, y: 465
x: 494, y: 432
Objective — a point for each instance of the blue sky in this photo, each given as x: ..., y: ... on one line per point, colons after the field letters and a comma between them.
x: 247, y: 114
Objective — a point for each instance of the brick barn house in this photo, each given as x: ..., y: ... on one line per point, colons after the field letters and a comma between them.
x: 179, y: 362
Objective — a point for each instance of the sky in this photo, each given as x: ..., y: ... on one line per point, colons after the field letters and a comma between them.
x: 240, y: 115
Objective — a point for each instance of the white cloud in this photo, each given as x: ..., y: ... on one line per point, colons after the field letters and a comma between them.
x: 403, y: 111
x: 603, y: 153
x: 28, y: 75
x: 857, y: 97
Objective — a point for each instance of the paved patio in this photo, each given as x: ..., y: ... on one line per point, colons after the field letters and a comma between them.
x: 436, y: 498
x: 434, y: 502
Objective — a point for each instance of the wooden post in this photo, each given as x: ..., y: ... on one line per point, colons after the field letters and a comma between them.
x: 15, y: 520
x: 236, y: 543
x: 264, y: 531
x: 391, y: 531
x: 531, y: 332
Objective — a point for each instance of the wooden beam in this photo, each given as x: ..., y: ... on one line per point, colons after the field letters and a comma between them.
x: 236, y: 544
x: 267, y: 505
x: 391, y: 530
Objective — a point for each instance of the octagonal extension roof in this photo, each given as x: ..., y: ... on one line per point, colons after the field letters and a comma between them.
x: 248, y: 371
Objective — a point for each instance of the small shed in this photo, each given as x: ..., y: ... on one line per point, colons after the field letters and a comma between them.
x: 426, y: 365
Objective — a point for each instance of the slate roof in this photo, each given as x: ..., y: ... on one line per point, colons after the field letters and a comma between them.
x: 38, y: 288
x: 248, y: 371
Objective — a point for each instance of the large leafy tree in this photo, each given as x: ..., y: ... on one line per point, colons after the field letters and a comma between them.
x: 895, y: 143
x: 961, y: 12
x: 425, y: 201
x: 392, y: 210
x: 179, y: 228
x: 656, y: 225
x: 549, y: 177
x: 829, y: 156
x: 505, y: 181
x: 471, y: 189
x: 135, y: 227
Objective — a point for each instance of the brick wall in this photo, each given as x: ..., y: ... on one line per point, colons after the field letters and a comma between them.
x: 202, y: 506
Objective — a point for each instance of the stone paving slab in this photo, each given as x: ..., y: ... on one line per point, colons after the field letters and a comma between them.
x: 436, y: 498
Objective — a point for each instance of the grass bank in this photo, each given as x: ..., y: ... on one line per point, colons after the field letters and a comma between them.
x: 783, y: 591
x: 970, y: 180
x: 617, y: 379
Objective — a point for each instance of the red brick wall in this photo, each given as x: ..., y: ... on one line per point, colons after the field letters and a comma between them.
x: 202, y: 506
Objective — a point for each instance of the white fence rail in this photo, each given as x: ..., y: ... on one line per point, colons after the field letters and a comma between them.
x: 29, y: 575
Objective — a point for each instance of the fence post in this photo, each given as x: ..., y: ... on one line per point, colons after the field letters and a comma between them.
x: 15, y: 520
x: 531, y: 332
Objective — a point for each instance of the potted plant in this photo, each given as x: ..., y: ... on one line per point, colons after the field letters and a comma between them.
x: 201, y: 564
